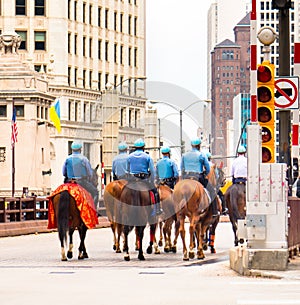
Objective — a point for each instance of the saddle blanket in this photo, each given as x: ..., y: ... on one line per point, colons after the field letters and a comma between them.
x: 84, y: 201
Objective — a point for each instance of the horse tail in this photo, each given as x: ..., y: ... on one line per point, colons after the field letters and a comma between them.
x: 63, y: 216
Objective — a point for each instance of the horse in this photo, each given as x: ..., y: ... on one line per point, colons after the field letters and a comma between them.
x: 165, y: 226
x: 111, y: 197
x: 67, y: 214
x: 235, y: 198
x: 209, y: 237
x: 135, y: 210
x: 72, y: 207
x: 192, y: 200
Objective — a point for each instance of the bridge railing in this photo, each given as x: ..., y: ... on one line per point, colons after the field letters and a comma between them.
x: 14, y: 209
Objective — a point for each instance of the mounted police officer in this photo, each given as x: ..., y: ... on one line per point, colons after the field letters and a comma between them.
x: 140, y: 166
x: 219, y: 192
x: 239, y: 167
x: 194, y: 164
x: 119, y: 164
x: 166, y: 168
x: 78, y: 168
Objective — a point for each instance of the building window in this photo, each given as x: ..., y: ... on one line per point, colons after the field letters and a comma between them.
x: 99, y: 48
x: 84, y: 13
x: 90, y: 47
x: 20, y: 110
x: 90, y: 14
x: 99, y: 16
x: 84, y: 78
x: 21, y: 7
x: 3, y: 111
x: 106, y: 50
x: 75, y: 44
x: 83, y: 46
x: 75, y: 10
x: 121, y: 23
x: 129, y: 25
x: 129, y: 56
x: 69, y: 5
x: 40, y: 40
x: 23, y: 35
x: 2, y: 154
x: 99, y: 81
x: 135, y: 26
x: 115, y: 52
x: 106, y: 18
x: 115, y: 21
x: 121, y: 54
x: 40, y: 68
x: 69, y: 76
x: 69, y: 43
x: 135, y: 56
x: 90, y: 79
x: 75, y: 76
x: 39, y: 8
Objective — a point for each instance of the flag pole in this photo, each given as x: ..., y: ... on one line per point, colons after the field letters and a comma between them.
x: 13, y: 159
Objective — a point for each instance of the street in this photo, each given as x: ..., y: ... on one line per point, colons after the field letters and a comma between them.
x: 32, y: 273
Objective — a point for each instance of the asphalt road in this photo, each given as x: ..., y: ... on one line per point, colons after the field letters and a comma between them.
x: 31, y: 273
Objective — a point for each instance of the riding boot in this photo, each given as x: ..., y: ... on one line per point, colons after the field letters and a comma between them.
x: 213, y: 197
x: 157, y: 210
x: 224, y: 208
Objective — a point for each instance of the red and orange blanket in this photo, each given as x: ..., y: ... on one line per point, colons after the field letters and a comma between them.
x: 84, y: 201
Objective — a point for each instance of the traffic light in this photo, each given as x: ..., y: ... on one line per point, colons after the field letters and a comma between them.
x: 266, y: 109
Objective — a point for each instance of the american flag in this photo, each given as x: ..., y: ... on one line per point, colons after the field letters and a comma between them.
x: 14, y: 128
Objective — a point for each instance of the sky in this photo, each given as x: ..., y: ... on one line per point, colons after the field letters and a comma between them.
x: 176, y: 43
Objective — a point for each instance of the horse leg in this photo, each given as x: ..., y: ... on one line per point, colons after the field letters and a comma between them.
x: 201, y: 232
x: 182, y: 234
x: 82, y: 250
x: 119, y: 229
x: 62, y: 250
x: 174, y: 246
x: 140, y: 235
x: 167, y: 234
x: 113, y: 228
x: 70, y: 250
x: 192, y: 239
x: 212, y: 232
x: 160, y: 242
x: 126, y: 231
x: 153, y: 240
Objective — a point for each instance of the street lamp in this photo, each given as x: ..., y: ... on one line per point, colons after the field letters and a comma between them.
x: 180, y: 111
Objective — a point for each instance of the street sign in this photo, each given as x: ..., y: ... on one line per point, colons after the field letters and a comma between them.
x: 286, y: 93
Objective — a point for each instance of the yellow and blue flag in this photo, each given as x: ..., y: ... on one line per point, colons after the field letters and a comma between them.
x: 55, y: 115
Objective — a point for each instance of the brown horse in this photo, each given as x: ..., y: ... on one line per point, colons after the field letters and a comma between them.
x: 235, y: 198
x: 64, y: 212
x: 135, y: 212
x: 111, y: 197
x: 165, y: 226
x: 192, y: 201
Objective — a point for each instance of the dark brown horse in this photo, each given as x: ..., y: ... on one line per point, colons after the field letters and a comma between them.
x: 136, y: 207
x: 235, y: 198
x: 68, y: 217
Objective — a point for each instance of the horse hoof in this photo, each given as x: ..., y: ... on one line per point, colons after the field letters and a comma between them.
x: 212, y: 250
x: 141, y: 257
x: 70, y: 254
x: 157, y: 251
x: 80, y: 257
x: 127, y: 258
x: 149, y: 250
x: 204, y: 246
x: 118, y: 251
x: 174, y: 250
x: 167, y: 250
x: 85, y: 255
x: 160, y: 243
x: 186, y: 259
x: 191, y: 255
x: 114, y: 247
x: 64, y: 259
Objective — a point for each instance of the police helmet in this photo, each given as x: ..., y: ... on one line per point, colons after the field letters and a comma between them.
x: 195, y: 141
x: 76, y: 145
x: 139, y: 143
x: 122, y: 146
x: 165, y: 150
x: 241, y: 149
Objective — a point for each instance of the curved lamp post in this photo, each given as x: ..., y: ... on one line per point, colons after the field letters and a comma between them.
x: 110, y: 86
x: 180, y: 111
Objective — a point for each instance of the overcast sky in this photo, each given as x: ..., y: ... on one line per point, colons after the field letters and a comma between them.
x: 176, y: 39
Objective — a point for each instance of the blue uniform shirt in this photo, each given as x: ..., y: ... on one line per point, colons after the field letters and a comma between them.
x: 140, y: 162
x: 77, y: 166
x: 166, y: 168
x: 194, y: 161
x: 119, y: 164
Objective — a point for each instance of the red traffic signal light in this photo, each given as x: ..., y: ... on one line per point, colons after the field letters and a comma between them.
x: 266, y: 109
